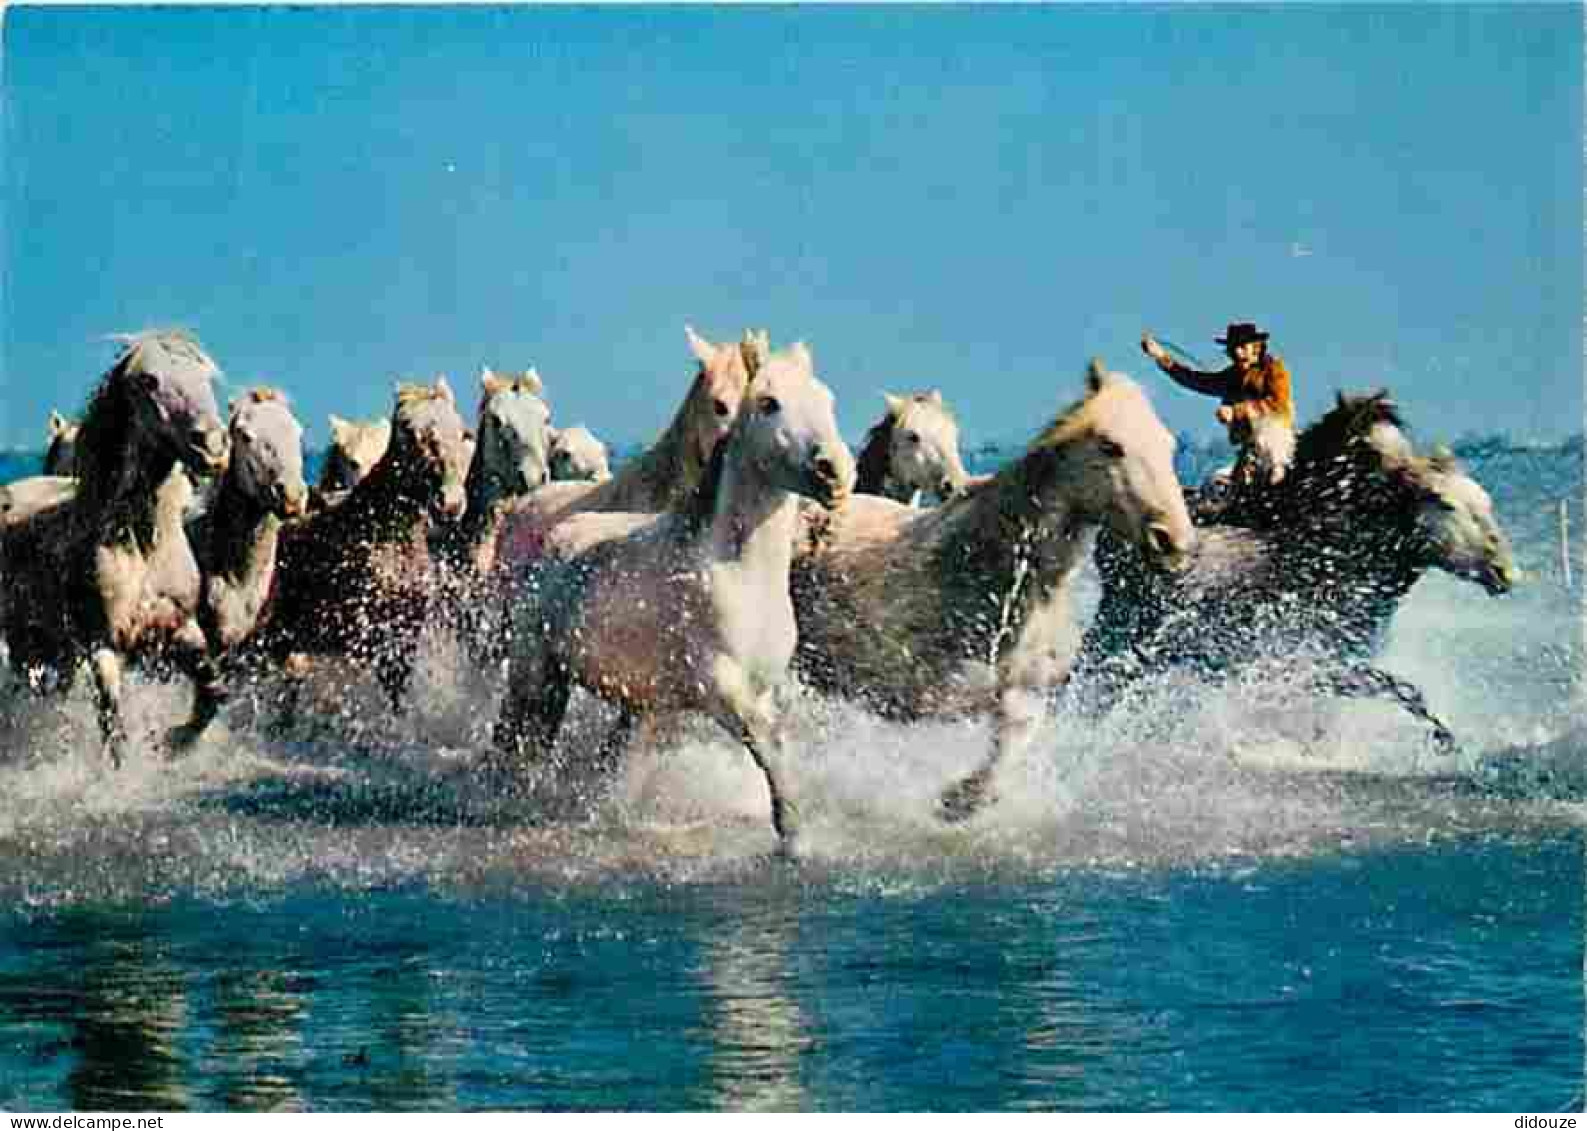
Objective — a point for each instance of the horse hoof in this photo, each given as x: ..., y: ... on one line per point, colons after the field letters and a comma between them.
x: 963, y: 801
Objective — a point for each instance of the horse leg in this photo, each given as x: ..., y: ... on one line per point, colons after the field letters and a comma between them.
x: 106, y: 665
x: 294, y: 673
x: 193, y: 655
x: 1363, y: 681
x: 539, y: 686
x: 1015, y: 720
x: 752, y: 719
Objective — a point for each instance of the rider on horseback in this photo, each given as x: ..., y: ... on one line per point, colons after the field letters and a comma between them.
x: 1257, y: 408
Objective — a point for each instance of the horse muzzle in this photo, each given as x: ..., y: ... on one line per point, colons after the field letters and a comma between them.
x: 831, y: 491
x: 1167, y: 549
x: 1498, y: 578
x: 291, y: 502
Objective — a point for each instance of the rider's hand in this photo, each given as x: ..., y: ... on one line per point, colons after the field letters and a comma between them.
x: 1154, y: 351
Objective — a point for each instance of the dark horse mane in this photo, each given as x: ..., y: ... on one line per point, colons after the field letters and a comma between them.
x: 1317, y: 475
x: 1353, y: 416
x: 870, y: 466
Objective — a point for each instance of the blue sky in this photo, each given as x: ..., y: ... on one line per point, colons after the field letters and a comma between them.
x: 970, y: 198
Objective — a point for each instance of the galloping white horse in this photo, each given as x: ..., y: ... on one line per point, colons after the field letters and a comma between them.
x: 691, y: 611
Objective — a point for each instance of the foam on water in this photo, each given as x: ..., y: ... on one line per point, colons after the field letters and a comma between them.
x: 1183, y: 774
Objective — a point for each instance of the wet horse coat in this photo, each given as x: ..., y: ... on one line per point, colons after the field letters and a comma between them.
x: 235, y: 540
x: 966, y: 607
x: 358, y: 580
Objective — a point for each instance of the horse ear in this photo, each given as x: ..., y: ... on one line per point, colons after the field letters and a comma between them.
x: 57, y: 423
x: 531, y: 378
x: 1096, y: 373
x: 338, y: 428
x: 895, y: 404
x: 444, y: 389
x: 755, y: 348
x: 801, y: 354
x: 934, y: 397
x: 703, y: 350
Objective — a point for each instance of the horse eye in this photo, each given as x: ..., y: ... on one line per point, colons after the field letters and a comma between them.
x: 911, y: 437
x: 1111, y: 448
x: 719, y: 406
x: 769, y: 406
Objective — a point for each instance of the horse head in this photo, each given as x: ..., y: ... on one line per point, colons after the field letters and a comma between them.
x: 787, y: 429
x: 427, y: 450
x: 713, y: 401
x: 1455, y: 525
x: 922, y: 446
x: 356, y: 446
x: 1112, y: 458
x: 576, y: 454
x: 267, y: 453
x: 511, y: 454
x: 169, y: 380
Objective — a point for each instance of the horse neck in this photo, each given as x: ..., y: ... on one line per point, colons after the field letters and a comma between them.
x: 665, y: 474
x: 240, y: 533
x: 486, y: 494
x: 121, y: 492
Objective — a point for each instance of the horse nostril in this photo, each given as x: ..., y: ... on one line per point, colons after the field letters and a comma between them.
x: 826, y: 468
x: 1160, y: 540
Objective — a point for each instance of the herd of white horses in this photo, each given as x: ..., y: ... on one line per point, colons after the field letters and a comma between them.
x: 743, y: 553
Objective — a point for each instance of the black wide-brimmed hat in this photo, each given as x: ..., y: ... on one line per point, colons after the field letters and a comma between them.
x: 1239, y: 333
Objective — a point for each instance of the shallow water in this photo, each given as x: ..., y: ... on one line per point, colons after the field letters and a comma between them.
x: 1236, y: 898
